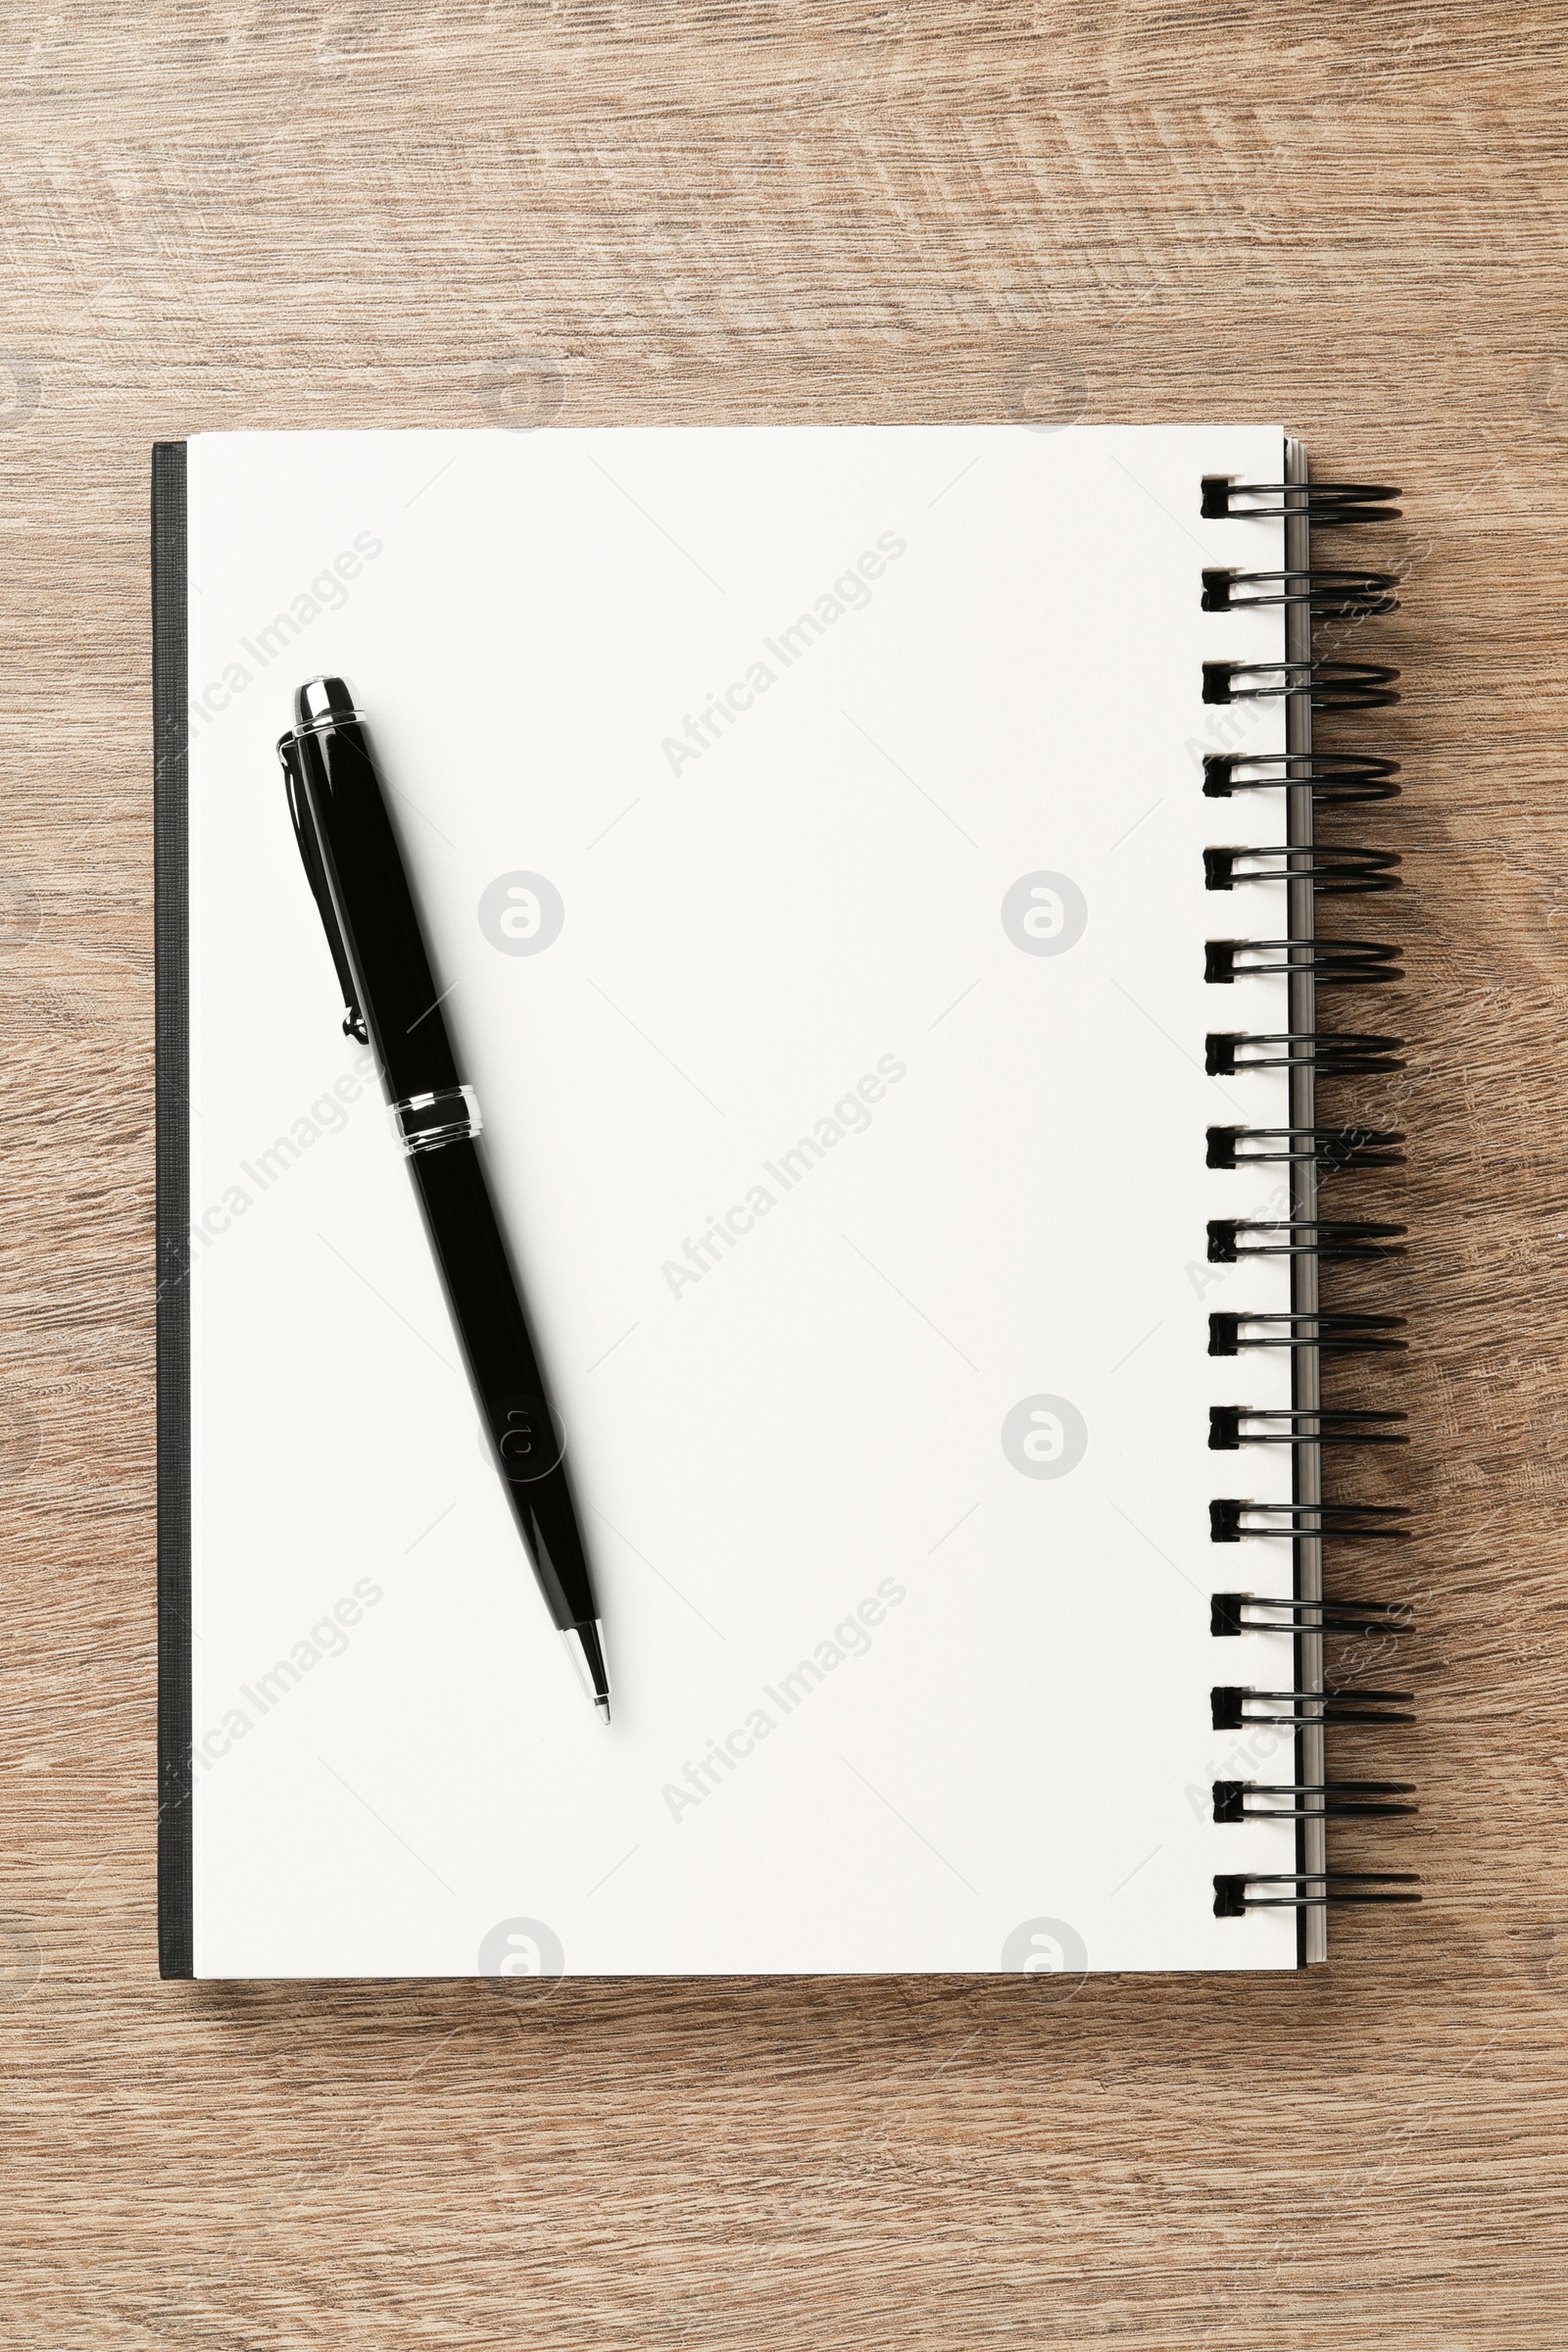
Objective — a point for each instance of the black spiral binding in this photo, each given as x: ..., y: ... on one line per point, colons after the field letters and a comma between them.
x: 1348, y: 1239
x: 1335, y: 779
x: 1232, y: 1426
x: 1328, y: 1149
x: 1355, y: 595
x: 1339, y: 1800
x: 1325, y: 685
x: 1230, y: 1518
x: 1333, y: 874
x: 1235, y: 1707
x: 1312, y: 502
x: 1327, y: 962
x: 1347, y: 1054
x: 1326, y: 1335
x: 1233, y: 1613
x: 1234, y: 1896
x: 1318, y: 1704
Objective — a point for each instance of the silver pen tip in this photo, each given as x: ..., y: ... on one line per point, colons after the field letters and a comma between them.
x: 585, y: 1645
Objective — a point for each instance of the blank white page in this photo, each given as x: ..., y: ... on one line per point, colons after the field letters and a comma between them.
x: 809, y: 830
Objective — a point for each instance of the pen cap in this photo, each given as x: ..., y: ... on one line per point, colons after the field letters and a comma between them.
x: 355, y: 862
x: 325, y: 701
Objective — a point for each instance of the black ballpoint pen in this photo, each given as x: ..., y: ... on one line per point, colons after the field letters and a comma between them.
x: 356, y: 872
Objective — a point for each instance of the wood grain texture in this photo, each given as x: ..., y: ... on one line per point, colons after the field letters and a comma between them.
x: 365, y: 213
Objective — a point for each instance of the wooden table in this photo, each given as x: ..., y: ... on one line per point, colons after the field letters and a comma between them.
x: 1347, y: 221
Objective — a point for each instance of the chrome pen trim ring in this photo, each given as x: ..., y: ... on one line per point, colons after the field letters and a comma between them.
x: 327, y: 725
x: 424, y: 1122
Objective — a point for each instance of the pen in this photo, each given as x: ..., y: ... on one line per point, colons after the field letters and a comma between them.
x: 356, y: 872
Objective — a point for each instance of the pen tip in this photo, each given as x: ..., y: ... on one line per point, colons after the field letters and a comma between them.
x: 588, y: 1656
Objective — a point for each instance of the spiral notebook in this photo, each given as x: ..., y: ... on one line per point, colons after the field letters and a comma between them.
x: 872, y: 877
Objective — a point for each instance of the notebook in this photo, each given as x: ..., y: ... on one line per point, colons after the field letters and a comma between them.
x: 849, y: 857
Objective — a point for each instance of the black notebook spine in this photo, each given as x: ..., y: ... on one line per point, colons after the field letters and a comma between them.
x: 175, y: 1957
x: 1320, y: 1701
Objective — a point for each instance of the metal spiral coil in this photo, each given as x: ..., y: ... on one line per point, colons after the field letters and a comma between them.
x: 1337, y: 1800
x: 1328, y: 594
x: 1234, y: 1899
x: 1331, y: 1335
x: 1232, y: 1520
x: 1331, y: 1149
x: 1313, y: 872
x: 1233, y: 1426
x: 1343, y: 1054
x: 1319, y: 502
x: 1325, y: 685
x: 1230, y: 1703
x: 1331, y: 962
x: 1333, y: 873
x: 1228, y: 1616
x: 1336, y: 779
x: 1347, y: 1240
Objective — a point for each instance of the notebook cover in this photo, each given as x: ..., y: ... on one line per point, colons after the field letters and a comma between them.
x: 173, y: 1032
